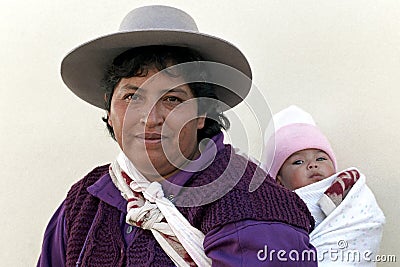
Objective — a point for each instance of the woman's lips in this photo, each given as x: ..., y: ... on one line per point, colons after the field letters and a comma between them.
x: 150, y: 138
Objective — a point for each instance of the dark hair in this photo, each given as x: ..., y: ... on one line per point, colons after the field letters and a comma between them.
x: 137, y: 61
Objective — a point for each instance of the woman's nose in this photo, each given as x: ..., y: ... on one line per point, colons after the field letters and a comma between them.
x: 152, y: 116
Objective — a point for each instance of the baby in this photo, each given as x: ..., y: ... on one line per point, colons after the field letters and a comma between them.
x: 300, y: 158
x: 295, y: 143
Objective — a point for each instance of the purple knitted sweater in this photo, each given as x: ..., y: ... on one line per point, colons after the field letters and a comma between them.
x: 97, y: 223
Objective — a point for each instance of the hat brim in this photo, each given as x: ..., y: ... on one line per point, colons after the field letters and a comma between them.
x: 83, y: 68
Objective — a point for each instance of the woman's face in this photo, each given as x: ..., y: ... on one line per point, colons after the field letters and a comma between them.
x: 155, y: 122
x: 305, y: 167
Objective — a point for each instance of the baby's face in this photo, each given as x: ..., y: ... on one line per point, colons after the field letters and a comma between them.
x: 305, y: 167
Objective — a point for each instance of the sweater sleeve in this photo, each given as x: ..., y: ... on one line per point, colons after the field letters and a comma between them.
x: 259, y: 243
x: 54, y: 241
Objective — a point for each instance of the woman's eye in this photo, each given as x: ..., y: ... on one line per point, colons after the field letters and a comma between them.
x: 172, y: 99
x: 131, y: 97
x: 298, y: 162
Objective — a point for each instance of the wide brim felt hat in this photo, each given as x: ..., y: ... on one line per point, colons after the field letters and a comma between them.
x: 83, y: 69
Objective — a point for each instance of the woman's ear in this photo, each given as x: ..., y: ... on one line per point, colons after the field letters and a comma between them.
x: 201, y: 121
x: 108, y: 112
x: 109, y: 121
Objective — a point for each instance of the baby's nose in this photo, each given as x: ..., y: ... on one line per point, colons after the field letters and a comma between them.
x: 313, y: 165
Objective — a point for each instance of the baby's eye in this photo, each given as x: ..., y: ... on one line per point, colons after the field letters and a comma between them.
x: 298, y: 162
x: 321, y: 159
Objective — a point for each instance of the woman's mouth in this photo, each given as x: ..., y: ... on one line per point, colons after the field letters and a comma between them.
x: 150, y: 138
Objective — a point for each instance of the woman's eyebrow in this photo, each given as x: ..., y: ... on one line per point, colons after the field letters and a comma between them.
x: 128, y: 87
x: 174, y: 90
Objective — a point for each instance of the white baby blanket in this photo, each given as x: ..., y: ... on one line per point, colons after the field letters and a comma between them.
x: 351, y: 234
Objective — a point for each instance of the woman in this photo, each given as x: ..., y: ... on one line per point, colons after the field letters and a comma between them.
x: 176, y: 195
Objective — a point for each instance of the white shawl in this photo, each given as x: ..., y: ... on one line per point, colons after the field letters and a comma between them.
x: 154, y: 209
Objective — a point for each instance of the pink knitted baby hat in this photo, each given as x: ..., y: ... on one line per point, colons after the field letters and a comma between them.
x: 293, y: 130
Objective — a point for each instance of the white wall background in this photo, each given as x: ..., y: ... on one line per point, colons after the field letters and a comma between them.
x: 340, y: 60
